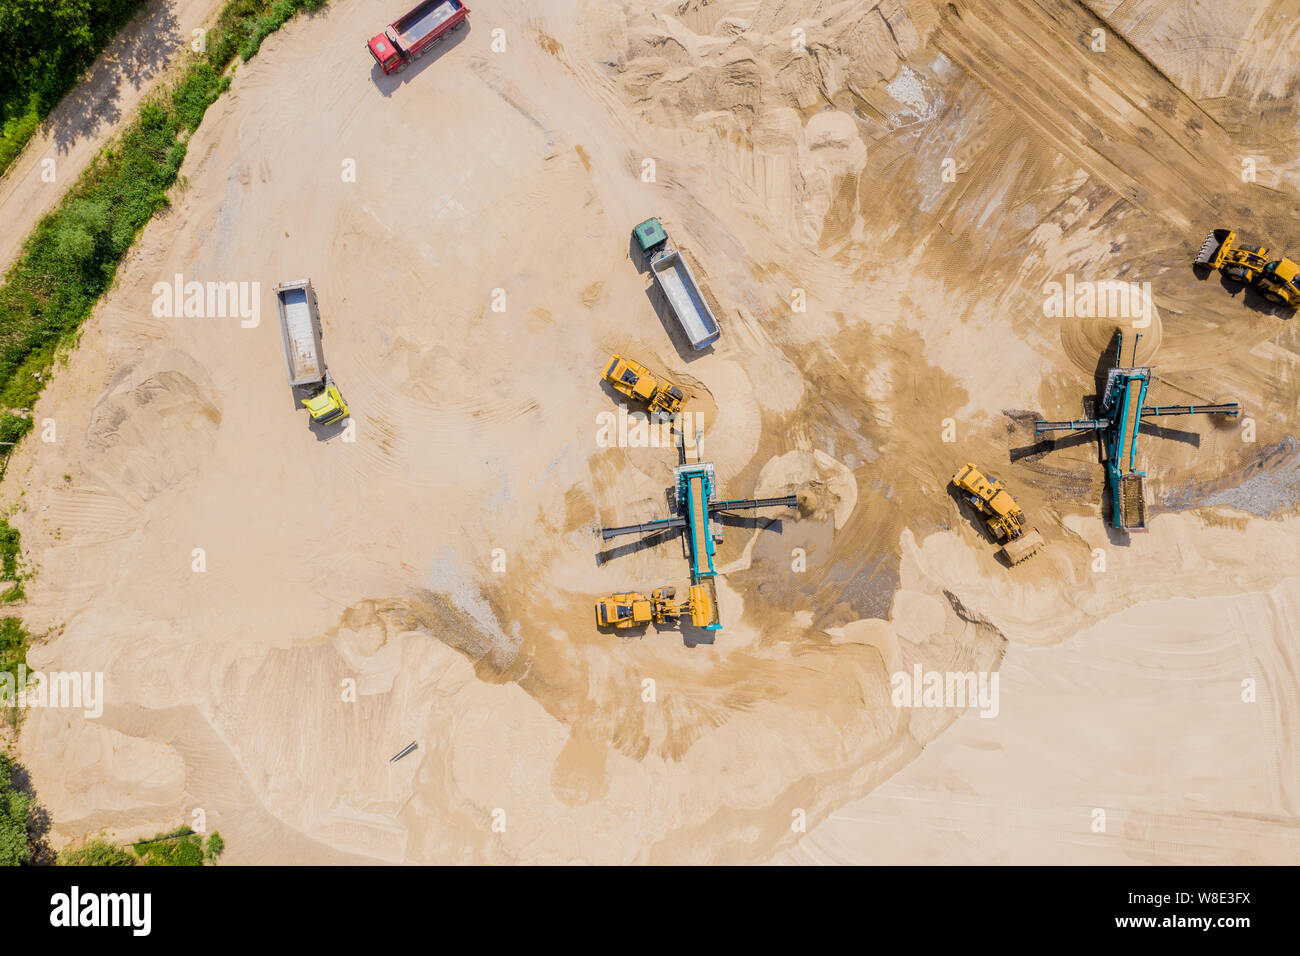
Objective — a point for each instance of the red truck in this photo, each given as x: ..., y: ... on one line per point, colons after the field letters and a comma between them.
x: 407, y: 37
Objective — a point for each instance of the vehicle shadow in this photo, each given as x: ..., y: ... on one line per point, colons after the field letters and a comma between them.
x: 1117, y: 536
x: 967, y: 511
x: 389, y: 83
x: 1251, y: 297
x: 327, y: 432
x: 693, y: 636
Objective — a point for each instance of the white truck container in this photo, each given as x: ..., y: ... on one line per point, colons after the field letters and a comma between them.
x: 678, y: 284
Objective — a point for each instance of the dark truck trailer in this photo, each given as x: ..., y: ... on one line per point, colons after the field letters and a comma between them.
x: 407, y: 37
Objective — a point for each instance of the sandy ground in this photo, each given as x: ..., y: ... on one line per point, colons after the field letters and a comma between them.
x: 432, y: 580
x: 127, y: 71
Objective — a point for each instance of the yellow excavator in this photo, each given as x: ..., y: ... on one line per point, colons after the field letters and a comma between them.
x: 1277, y: 280
x: 638, y: 383
x: 1002, y: 516
x: 635, y: 610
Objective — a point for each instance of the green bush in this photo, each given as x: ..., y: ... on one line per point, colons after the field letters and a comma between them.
x: 13, y: 645
x: 10, y: 545
x: 14, y: 427
x: 15, y: 133
x: 215, y: 846
x: 96, y: 853
x: 184, y: 848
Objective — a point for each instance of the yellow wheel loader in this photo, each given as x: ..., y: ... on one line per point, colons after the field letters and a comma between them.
x: 637, y: 382
x: 1003, y: 518
x: 624, y: 610
x: 635, y: 610
x: 1278, y: 280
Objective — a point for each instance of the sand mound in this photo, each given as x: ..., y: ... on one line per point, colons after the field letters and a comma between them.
x: 1086, y: 341
x: 153, y: 426
x: 826, y: 488
x: 96, y: 771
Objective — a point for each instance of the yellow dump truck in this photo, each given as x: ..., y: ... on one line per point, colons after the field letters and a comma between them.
x: 1003, y: 518
x: 303, y: 357
x: 636, y: 610
x: 639, y: 384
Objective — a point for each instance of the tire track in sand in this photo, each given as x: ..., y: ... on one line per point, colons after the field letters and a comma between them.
x: 1113, y: 112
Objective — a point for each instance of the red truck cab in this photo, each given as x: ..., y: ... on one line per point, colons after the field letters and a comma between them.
x: 409, y: 36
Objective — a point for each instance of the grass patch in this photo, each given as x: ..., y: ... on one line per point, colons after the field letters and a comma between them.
x: 182, y: 848
x: 13, y: 645
x: 95, y: 853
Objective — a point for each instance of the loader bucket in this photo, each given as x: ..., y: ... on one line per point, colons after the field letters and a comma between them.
x: 1024, y: 547
x: 1209, y: 256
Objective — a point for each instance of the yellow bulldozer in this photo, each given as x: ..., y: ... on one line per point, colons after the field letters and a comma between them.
x: 638, y: 383
x: 1277, y: 280
x: 1003, y: 518
x: 636, y: 610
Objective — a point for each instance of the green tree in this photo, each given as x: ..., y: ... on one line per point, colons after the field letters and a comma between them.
x: 15, y: 846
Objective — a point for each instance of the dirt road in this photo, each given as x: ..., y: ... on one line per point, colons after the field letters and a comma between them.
x: 88, y: 117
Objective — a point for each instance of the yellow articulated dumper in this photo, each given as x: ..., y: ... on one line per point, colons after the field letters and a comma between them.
x: 1277, y: 280
x: 637, y: 382
x: 1002, y: 516
x: 636, y: 610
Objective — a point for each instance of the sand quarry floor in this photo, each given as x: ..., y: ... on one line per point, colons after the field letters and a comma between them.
x: 432, y: 579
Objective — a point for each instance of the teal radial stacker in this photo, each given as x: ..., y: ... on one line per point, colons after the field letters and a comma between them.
x: 695, y: 506
x: 1122, y: 408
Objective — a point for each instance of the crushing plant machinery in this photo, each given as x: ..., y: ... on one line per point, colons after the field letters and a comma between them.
x: 1120, y: 412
